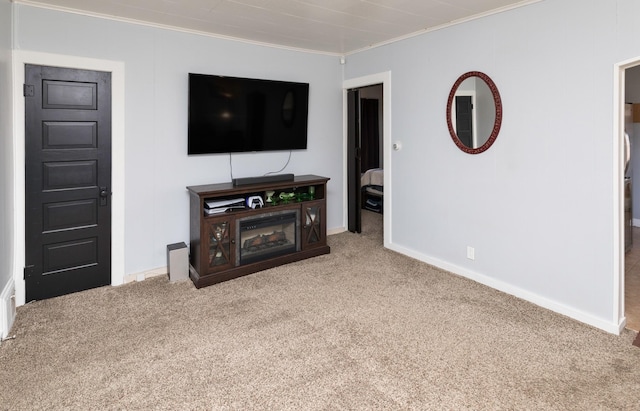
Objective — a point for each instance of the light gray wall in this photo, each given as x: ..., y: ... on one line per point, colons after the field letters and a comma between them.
x: 538, y: 206
x: 157, y: 168
x: 486, y: 111
x: 6, y: 148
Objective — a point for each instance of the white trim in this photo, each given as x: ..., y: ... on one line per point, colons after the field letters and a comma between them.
x: 265, y: 44
x: 474, y: 115
x: 445, y: 25
x: 20, y: 58
x: 336, y: 230
x: 618, y: 189
x: 611, y: 327
x: 172, y: 28
x: 7, y: 309
x: 383, y: 78
x: 156, y: 272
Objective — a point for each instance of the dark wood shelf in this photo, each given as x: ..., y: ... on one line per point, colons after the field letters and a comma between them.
x: 228, y: 189
x: 216, y: 240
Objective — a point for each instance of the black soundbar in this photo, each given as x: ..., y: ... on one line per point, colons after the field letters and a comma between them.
x: 274, y: 178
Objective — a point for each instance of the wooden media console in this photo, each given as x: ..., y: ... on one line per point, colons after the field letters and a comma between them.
x: 230, y: 240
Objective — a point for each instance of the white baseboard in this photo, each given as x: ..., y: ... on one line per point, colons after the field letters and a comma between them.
x: 146, y: 274
x: 7, y: 309
x: 336, y: 230
x: 536, y: 299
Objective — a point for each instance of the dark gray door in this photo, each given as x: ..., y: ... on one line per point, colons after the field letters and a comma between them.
x: 354, y: 202
x: 464, y: 120
x: 67, y: 180
x: 369, y: 134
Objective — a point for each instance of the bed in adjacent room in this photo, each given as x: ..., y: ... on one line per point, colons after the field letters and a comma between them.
x: 372, y: 182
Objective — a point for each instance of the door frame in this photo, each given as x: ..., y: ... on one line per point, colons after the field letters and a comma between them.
x: 474, y: 119
x: 383, y: 78
x: 619, y: 316
x: 116, y: 68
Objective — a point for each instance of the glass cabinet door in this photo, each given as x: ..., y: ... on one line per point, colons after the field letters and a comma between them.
x: 221, y: 252
x: 313, y: 228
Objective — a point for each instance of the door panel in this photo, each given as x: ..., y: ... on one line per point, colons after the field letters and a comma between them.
x: 70, y: 254
x: 67, y: 135
x: 464, y: 120
x: 65, y: 215
x: 69, y: 95
x: 68, y: 175
x: 354, y: 203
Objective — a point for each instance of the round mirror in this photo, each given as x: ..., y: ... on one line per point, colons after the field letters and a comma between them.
x: 474, y: 112
x: 289, y: 108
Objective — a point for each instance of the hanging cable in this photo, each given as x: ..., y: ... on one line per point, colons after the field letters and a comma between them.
x: 285, y: 166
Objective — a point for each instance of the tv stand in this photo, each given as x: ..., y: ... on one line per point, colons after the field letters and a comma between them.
x: 273, y: 178
x: 230, y: 244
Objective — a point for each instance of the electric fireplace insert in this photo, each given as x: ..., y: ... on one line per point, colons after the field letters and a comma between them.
x: 267, y: 235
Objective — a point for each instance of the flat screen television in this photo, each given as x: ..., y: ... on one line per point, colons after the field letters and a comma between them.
x: 232, y: 114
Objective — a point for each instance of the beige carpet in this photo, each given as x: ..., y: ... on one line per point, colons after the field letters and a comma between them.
x: 360, y: 328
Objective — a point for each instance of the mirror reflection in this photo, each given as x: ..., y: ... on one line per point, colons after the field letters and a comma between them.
x: 288, y: 108
x: 474, y: 112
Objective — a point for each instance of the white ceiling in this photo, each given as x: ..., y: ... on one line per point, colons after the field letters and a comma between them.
x: 325, y: 26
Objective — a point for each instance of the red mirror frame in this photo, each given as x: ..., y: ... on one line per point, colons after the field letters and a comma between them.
x: 498, y: 120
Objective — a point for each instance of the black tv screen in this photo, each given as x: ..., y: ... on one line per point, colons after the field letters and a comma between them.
x: 231, y: 114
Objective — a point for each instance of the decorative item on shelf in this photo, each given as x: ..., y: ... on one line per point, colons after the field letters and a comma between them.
x: 312, y: 192
x: 286, y: 197
x: 303, y: 197
x: 269, y: 196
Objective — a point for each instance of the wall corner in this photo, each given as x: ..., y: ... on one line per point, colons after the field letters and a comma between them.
x: 7, y: 309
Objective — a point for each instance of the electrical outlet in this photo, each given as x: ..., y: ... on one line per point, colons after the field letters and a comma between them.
x: 471, y: 253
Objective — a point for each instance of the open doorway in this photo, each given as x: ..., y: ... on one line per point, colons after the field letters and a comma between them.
x: 383, y: 79
x: 364, y: 155
x: 371, y: 164
x: 631, y: 193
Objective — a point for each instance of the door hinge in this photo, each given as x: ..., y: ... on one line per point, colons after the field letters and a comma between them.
x: 29, y: 271
x: 28, y: 90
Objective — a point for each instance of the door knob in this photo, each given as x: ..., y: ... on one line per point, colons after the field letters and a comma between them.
x: 104, y: 194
